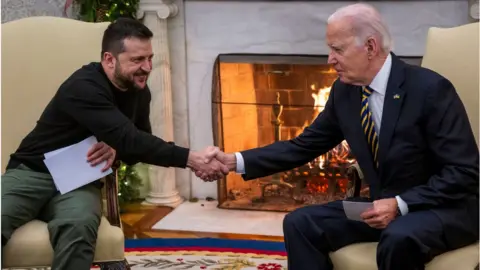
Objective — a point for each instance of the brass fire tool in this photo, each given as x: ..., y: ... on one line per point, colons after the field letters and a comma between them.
x: 277, y: 179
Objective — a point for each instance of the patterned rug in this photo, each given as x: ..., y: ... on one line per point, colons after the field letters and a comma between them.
x: 205, y: 253
x: 202, y: 253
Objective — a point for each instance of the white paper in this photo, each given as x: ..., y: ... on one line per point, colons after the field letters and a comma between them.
x: 69, y: 167
x: 53, y: 153
x: 353, y: 210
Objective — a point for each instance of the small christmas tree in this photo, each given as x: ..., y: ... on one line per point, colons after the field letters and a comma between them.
x: 129, y: 183
x: 103, y: 10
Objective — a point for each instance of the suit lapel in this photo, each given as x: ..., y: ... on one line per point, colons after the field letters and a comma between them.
x: 392, y: 105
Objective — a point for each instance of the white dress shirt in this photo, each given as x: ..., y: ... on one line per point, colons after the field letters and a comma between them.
x: 375, y: 103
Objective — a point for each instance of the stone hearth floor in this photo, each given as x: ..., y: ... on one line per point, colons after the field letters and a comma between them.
x: 204, y: 216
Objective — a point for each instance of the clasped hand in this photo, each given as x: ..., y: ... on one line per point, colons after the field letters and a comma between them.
x: 208, y: 164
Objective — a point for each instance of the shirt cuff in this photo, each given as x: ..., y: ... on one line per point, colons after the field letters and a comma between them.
x: 240, y: 163
x: 402, y: 205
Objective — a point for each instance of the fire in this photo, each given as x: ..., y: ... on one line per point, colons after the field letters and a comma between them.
x: 320, y: 96
x: 335, y: 158
x: 315, y: 187
x: 320, y: 185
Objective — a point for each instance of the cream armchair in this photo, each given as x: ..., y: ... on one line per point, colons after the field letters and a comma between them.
x: 452, y: 52
x: 38, y: 53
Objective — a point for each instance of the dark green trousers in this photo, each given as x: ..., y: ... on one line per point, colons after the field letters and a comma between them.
x: 73, y: 218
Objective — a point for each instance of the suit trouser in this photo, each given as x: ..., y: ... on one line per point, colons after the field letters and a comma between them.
x: 73, y: 218
x: 407, y: 243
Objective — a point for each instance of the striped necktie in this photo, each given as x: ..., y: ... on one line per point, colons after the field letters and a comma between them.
x: 368, y: 124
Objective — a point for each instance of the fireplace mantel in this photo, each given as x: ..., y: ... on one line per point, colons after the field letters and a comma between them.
x: 204, y: 29
x: 267, y: 27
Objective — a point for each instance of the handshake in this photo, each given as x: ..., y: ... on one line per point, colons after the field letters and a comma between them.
x: 211, y: 164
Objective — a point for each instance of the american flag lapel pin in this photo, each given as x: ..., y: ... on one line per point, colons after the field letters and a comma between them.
x: 396, y: 96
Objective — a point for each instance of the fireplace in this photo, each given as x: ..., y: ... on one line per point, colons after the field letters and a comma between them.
x: 258, y: 99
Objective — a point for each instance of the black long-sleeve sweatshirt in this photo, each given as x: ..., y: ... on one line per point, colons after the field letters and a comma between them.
x: 87, y: 104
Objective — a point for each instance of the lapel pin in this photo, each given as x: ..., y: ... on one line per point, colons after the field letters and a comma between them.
x: 396, y: 96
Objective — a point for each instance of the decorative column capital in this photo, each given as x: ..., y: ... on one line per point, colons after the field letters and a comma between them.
x: 474, y: 11
x: 163, y: 8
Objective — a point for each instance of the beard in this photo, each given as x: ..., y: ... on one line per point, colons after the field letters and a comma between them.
x: 126, y: 81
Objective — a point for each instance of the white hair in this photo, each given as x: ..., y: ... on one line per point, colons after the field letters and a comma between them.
x: 366, y: 22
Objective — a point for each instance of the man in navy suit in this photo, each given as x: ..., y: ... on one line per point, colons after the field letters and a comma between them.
x: 411, y: 136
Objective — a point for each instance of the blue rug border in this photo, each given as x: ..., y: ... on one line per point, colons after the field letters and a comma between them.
x: 205, y: 242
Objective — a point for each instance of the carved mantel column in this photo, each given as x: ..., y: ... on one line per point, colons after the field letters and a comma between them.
x: 155, y: 13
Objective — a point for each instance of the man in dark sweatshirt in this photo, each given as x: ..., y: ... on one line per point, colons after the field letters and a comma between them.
x: 111, y: 101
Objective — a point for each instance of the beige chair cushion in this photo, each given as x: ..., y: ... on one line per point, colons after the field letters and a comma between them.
x: 53, y: 49
x: 362, y: 256
x: 30, y: 245
x: 453, y: 53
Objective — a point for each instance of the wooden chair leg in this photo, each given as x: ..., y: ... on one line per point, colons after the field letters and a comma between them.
x: 120, y: 265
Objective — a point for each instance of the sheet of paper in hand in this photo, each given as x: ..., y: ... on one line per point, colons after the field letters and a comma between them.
x: 69, y: 167
x: 353, y: 210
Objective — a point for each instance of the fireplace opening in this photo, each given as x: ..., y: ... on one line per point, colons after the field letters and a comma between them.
x: 260, y: 99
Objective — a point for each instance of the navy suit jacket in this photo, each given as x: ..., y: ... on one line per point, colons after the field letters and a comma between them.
x: 427, y: 151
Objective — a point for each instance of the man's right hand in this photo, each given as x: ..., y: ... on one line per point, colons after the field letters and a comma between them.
x: 206, y: 167
x: 99, y: 153
x: 229, y: 160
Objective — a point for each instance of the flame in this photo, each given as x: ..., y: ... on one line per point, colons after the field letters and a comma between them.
x: 338, y: 155
x: 320, y: 97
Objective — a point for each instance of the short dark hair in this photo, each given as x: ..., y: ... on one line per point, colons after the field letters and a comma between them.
x: 121, y: 29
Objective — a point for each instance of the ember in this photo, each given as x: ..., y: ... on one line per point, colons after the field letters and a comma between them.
x: 314, y: 187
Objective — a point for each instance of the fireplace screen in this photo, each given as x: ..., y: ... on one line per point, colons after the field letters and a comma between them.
x: 260, y: 99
